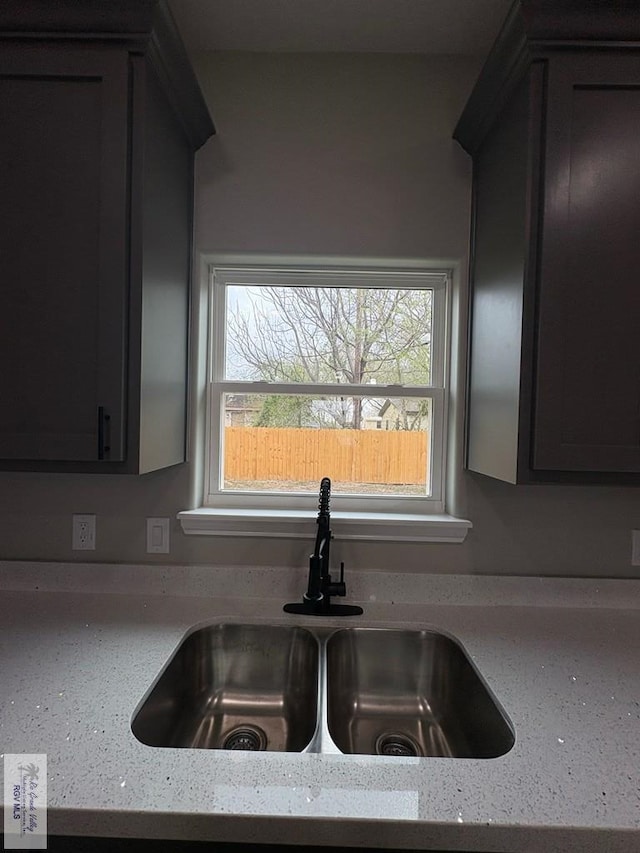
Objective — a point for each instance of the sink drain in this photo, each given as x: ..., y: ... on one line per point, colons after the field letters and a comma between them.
x: 396, y: 743
x: 246, y: 737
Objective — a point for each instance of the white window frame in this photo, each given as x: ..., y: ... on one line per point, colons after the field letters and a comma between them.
x: 370, y: 517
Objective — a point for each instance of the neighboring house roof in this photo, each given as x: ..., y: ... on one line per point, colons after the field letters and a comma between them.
x: 412, y: 406
x: 241, y: 403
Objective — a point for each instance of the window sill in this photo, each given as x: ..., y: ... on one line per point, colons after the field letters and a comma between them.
x: 298, y: 524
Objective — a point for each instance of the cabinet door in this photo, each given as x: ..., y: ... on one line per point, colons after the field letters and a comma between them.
x: 63, y: 252
x: 587, y: 405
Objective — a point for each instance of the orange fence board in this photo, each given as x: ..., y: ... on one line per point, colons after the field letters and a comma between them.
x: 361, y: 456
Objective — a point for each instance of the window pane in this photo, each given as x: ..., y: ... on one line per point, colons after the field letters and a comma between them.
x: 367, y: 446
x: 354, y: 335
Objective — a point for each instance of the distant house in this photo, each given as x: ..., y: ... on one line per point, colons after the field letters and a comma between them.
x: 240, y: 410
x: 398, y: 413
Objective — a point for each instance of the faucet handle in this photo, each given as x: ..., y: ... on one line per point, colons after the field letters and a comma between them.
x: 338, y: 587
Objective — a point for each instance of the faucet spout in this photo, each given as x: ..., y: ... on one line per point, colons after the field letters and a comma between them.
x: 319, y: 560
x: 316, y: 600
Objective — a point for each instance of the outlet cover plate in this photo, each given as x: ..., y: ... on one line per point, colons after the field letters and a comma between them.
x: 83, y: 533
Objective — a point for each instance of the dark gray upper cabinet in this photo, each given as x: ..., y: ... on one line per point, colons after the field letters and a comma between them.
x: 553, y: 126
x: 101, y: 116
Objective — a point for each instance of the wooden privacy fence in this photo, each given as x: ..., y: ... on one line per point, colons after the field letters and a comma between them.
x: 359, y: 456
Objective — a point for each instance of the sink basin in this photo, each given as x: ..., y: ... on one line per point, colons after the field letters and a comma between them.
x: 285, y: 688
x: 250, y: 687
x: 395, y: 692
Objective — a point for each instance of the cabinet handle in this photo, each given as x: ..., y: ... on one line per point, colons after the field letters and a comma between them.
x: 104, y: 425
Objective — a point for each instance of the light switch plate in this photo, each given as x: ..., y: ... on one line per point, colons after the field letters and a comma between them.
x: 635, y: 547
x: 158, y: 535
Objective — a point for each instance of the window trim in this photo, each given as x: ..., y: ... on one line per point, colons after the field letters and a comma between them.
x: 298, y: 524
x: 391, y: 523
x: 223, y: 276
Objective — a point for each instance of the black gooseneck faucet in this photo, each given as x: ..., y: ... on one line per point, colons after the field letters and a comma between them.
x: 316, y: 601
x: 319, y: 560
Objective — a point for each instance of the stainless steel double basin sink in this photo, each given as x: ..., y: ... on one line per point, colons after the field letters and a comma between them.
x: 366, y: 691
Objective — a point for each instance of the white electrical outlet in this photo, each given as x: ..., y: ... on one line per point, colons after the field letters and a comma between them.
x: 635, y: 547
x: 84, y: 533
x: 158, y: 535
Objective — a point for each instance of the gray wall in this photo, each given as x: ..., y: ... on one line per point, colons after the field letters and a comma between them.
x: 337, y: 155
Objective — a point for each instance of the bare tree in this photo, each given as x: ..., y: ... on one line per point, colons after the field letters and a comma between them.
x: 332, y: 335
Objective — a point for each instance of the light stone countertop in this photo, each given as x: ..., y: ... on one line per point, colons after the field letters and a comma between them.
x: 81, y: 644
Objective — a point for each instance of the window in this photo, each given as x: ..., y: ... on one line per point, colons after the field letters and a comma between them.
x: 325, y: 370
